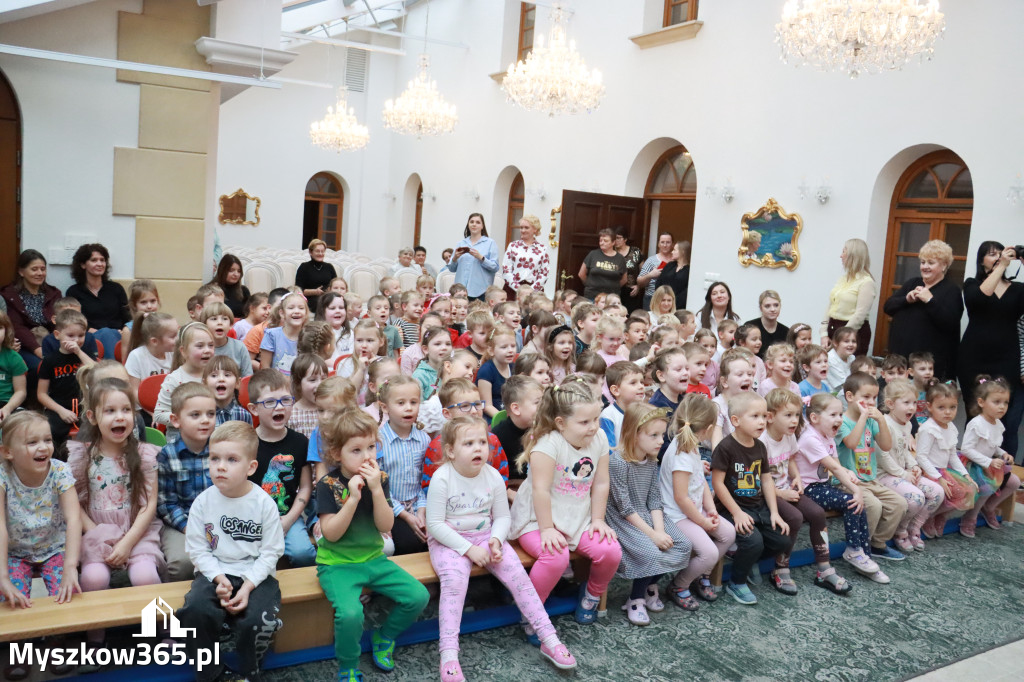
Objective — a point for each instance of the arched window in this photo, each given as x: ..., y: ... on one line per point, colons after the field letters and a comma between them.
x: 10, y: 179
x: 671, y: 194
x: 321, y: 218
x: 516, y: 204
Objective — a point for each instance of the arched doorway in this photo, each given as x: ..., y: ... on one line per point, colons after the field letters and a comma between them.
x: 321, y: 217
x: 516, y: 207
x: 933, y: 199
x: 10, y: 180
x: 670, y: 196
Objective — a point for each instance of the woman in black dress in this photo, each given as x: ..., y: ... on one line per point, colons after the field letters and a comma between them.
x: 314, y: 276
x: 229, y: 278
x: 631, y: 294
x: 676, y: 273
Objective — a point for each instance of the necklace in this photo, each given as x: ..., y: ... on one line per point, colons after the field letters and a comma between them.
x: 318, y: 266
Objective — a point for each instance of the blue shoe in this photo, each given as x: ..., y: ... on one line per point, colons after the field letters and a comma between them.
x: 383, y: 651
x: 585, y: 616
x: 754, y: 576
x: 741, y: 593
x: 350, y: 675
x: 531, y: 636
x: 887, y: 553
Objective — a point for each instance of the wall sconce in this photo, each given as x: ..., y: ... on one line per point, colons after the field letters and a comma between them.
x: 429, y: 193
x: 822, y: 192
x: 470, y: 193
x: 727, y: 192
x: 1016, y: 191
x: 538, y: 192
x: 390, y: 196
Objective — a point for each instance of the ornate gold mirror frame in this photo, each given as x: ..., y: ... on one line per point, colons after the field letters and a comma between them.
x: 770, y: 237
x: 239, y: 208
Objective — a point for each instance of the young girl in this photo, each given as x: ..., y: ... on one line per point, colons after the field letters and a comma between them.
x: 115, y: 476
x: 191, y: 355
x: 13, y: 384
x: 779, y: 360
x: 159, y: 333
x: 501, y: 353
x: 937, y: 457
x: 331, y: 309
x: 308, y: 371
x: 689, y: 503
x: 338, y: 286
x: 535, y: 366
x: 737, y: 376
x: 379, y: 370
x: 437, y: 347
x: 564, y: 299
x: 663, y: 302
x: 461, y: 364
x: 672, y: 372
x: 256, y: 311
x: 354, y: 305
x: 988, y: 461
x: 474, y: 532
x: 610, y: 333
x: 143, y: 299
x: 561, y: 353
x: 650, y: 548
x: 708, y: 339
x: 900, y: 469
x: 799, y: 335
x: 664, y: 336
x: 749, y: 336
x: 560, y: 507
x: 460, y: 309
x: 88, y: 377
x: 441, y: 305
x: 412, y: 355
x: 539, y: 324
x: 316, y: 337
x: 280, y: 344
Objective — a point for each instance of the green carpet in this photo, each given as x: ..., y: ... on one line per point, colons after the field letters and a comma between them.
x: 957, y: 598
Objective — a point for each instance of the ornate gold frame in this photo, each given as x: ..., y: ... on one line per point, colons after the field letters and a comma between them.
x: 768, y: 260
x: 235, y: 221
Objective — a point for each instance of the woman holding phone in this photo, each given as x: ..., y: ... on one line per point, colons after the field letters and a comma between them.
x: 475, y: 260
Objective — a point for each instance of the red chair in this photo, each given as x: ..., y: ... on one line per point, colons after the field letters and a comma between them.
x: 232, y: 334
x: 149, y: 391
x: 99, y: 349
x: 117, y: 352
x: 243, y: 397
x: 339, y: 361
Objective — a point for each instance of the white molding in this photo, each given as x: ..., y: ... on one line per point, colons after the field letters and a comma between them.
x: 240, y: 57
x: 670, y: 34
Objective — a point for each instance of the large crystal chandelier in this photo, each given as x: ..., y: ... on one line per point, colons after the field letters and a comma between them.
x: 553, y: 78
x: 858, y: 36
x: 420, y: 110
x: 339, y: 130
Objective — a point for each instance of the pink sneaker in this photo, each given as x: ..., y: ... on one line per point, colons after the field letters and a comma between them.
x: 559, y: 656
x: 915, y: 539
x: 967, y: 526
x: 903, y: 543
x: 452, y: 672
x: 990, y: 518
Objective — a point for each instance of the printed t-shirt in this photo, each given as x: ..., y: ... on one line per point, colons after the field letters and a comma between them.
x: 860, y: 460
x: 362, y: 541
x: 61, y: 370
x: 779, y: 454
x: 743, y: 467
x: 280, y: 468
x: 35, y: 520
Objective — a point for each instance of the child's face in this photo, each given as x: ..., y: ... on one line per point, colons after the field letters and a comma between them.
x: 403, y: 405
x: 818, y: 367
x: 865, y: 397
x: 580, y: 426
x: 650, y: 437
x: 439, y: 348
x: 393, y: 288
x: 379, y: 312
x: 923, y: 373
x: 566, y: 304
x: 222, y: 383
x: 465, y: 403
x: 943, y: 410
x: 413, y: 310
x: 512, y: 316
x: 505, y: 348
x: 167, y: 339
x: 219, y: 325
x: 335, y: 313
x: 425, y: 290
x: 148, y: 303
x: 211, y: 298
x: 366, y: 343
x: 261, y: 312
x: 230, y: 468
x: 195, y: 312
x: 588, y: 325
x: 846, y: 346
x: 115, y: 418
x: 770, y: 309
x: 496, y: 298
x: 753, y: 341
x: 751, y: 421
x: 339, y: 287
x: 785, y: 421
x: 197, y: 418
x: 31, y: 451
x: 636, y: 333
x: 741, y: 376
x: 478, y: 335
x: 727, y: 336
x: 995, y: 404
x: 631, y: 389
x: 200, y: 350
x: 275, y: 416
x: 462, y: 367
x: 688, y: 328
x: 803, y: 337
x: 542, y: 372
x: 710, y: 344
x: 459, y: 309
x: 443, y: 307
x: 309, y: 384
x: 829, y: 420
x: 610, y: 342
x: 355, y: 453
x: 903, y: 407
x: 893, y: 373
x: 528, y: 405
x: 870, y: 369
x: 563, y: 346
x: 355, y: 310
x: 470, y: 452
x: 70, y: 336
x: 295, y: 311
x: 670, y: 340
x: 676, y: 374
x: 698, y: 368
x: 782, y: 366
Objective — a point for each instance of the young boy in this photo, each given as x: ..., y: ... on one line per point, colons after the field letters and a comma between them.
x: 610, y: 333
x: 636, y: 332
x: 626, y: 385
x: 697, y: 357
x: 389, y: 287
x: 922, y: 371
x: 840, y: 356
x: 354, y: 306
x: 584, y: 325
x: 494, y: 295
x: 217, y: 316
x: 234, y: 540
x: 894, y: 367
x: 862, y: 430
x: 687, y: 325
x: 281, y: 461
x: 479, y: 324
x: 207, y: 294
x: 726, y: 337
x: 221, y: 375
x: 192, y: 306
x: 183, y: 472
x: 813, y: 361
x: 460, y: 309
x: 745, y: 494
x: 380, y: 312
x: 50, y: 343
x: 355, y: 507
x: 57, y: 390
x: 509, y: 314
x: 425, y: 286
x: 412, y: 310
x: 521, y: 395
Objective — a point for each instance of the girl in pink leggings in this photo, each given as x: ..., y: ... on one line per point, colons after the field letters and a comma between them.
x: 467, y: 522
x: 560, y: 507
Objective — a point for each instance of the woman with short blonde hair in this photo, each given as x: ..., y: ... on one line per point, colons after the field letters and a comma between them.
x: 526, y: 259
x: 314, y: 276
x: 852, y: 298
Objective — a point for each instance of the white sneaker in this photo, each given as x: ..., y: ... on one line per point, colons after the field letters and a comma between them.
x: 879, y: 577
x: 860, y: 561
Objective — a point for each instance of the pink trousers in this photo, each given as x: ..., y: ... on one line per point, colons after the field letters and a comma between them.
x: 604, y: 558
x: 708, y: 548
x: 923, y: 499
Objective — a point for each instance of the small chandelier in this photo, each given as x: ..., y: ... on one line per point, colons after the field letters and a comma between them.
x: 858, y: 36
x: 339, y: 130
x: 554, y: 78
x: 420, y: 110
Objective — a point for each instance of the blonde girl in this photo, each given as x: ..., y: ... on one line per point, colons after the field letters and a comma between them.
x: 748, y: 336
x: 535, y: 366
x: 560, y: 507
x: 779, y: 361
x: 437, y: 347
x: 115, y: 479
x: 279, y: 347
x: 13, y: 383
x: 983, y: 438
x: 737, y: 376
x: 308, y: 372
x: 368, y: 344
x: 143, y: 299
x: 378, y: 371
x: 539, y: 324
x: 192, y: 353
x: 689, y: 504
x: 461, y: 364
x: 256, y: 311
x: 441, y: 305
x: 153, y: 341
x: 332, y: 309
x: 663, y: 302
x: 708, y: 339
x: 474, y: 533
x: 338, y: 286
x: 937, y: 457
x: 561, y: 353
x: 496, y: 367
x: 650, y: 548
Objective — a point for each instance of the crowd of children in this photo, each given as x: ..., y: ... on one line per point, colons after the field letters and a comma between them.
x: 435, y: 423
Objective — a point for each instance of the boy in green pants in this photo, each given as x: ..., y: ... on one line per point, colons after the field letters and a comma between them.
x: 355, y: 508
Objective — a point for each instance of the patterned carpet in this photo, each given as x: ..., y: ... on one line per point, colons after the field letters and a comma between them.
x: 956, y: 599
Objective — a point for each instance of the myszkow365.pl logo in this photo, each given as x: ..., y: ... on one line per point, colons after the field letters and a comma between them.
x: 143, y: 653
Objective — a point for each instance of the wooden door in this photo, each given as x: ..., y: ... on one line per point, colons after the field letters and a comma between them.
x: 10, y: 182
x: 583, y: 215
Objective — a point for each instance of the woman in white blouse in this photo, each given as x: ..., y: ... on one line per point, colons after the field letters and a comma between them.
x: 526, y: 259
x: 850, y: 301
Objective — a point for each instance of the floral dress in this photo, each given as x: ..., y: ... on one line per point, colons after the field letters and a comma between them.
x: 526, y: 264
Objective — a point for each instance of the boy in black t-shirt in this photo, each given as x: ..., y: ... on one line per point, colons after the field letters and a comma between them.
x: 58, y: 390
x: 745, y: 495
x: 521, y: 395
x: 281, y: 458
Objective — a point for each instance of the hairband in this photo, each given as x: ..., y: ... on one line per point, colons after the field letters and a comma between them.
x: 553, y: 334
x: 430, y: 304
x: 981, y: 381
x: 653, y: 415
x: 291, y: 293
x: 181, y: 332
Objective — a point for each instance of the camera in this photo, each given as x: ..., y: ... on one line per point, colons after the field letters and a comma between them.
x: 1018, y: 250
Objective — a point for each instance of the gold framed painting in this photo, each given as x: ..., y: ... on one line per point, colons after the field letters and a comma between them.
x: 769, y: 237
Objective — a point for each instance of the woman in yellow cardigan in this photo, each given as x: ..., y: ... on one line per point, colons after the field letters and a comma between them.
x: 850, y: 301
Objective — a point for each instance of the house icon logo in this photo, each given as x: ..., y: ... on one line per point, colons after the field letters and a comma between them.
x: 158, y: 607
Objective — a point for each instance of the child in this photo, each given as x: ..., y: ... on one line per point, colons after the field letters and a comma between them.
x: 894, y: 367
x: 473, y: 532
x: 437, y: 347
x: 57, y: 390
x: 563, y: 304
x: 281, y: 461
x: 316, y: 337
x: 459, y: 365
x: 207, y: 294
x: 521, y: 395
x: 338, y: 286
x: 115, y: 478
x: 154, y: 354
x: 280, y: 344
x: 441, y: 305
x: 672, y: 372
x: 235, y: 540
x: 254, y: 337
x: 625, y: 383
x: 779, y: 360
x: 866, y: 364
x: 508, y: 314
x: 636, y: 332
x: 183, y: 471
x: 737, y: 377
x: 217, y: 318
x: 538, y: 324
x: 13, y: 383
x: 354, y: 305
x: 331, y: 309
x: 772, y: 331
x: 412, y: 355
x: 726, y: 337
x: 584, y: 325
x: 708, y: 339
x: 567, y: 486
x: 902, y: 473
x: 479, y: 324
x: 378, y: 372
x: 813, y: 361
x: 663, y: 302
x: 460, y: 309
x: 308, y: 372
x: 368, y: 345
x: 745, y: 494
x: 389, y: 286
x: 534, y: 366
x: 501, y: 353
x: 494, y: 295
x: 863, y: 430
x: 592, y: 365
x: 409, y: 323
x: 143, y: 299
x: 561, y: 353
x: 697, y: 358
x: 256, y: 311
x: 333, y: 395
x: 689, y: 504
x: 609, y: 339
x: 425, y: 286
x: 221, y: 375
x: 687, y: 325
x: 50, y: 344
x: 800, y: 335
x: 989, y: 462
x: 380, y: 311
x: 650, y: 548
x: 355, y: 507
x: 749, y: 336
x: 192, y: 306
x: 840, y: 357
x: 192, y: 353
x: 784, y: 410
x: 922, y: 371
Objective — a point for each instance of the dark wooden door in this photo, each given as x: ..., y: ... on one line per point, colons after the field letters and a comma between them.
x: 583, y: 214
x: 10, y: 181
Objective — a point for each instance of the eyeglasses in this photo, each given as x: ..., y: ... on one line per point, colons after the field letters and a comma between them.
x: 468, y: 407
x: 271, y: 403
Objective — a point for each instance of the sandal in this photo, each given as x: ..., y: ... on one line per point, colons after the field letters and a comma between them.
x: 783, y: 582
x: 452, y: 672
x: 684, y: 599
x: 703, y: 588
x: 350, y: 675
x: 653, y: 600
x: 584, y: 615
x: 832, y: 581
x: 383, y: 651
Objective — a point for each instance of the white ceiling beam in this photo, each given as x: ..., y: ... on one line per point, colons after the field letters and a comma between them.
x: 369, y: 47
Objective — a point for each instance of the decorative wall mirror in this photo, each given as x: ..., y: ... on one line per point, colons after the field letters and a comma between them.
x: 769, y: 237
x: 239, y: 208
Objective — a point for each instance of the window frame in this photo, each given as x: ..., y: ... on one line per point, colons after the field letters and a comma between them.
x: 691, y: 12
x: 522, y: 49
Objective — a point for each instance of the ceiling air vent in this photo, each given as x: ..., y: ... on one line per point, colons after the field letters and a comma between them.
x: 356, y: 69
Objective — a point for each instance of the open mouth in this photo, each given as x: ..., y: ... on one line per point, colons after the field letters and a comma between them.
x: 278, y: 419
x: 221, y: 388
x: 42, y: 457
x: 118, y: 431
x: 478, y: 459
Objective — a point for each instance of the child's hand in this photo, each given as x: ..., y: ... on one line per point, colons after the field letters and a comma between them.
x: 69, y: 347
x: 788, y: 494
x: 552, y: 541
x: 223, y: 589
x: 912, y: 445
x: 13, y: 595
x: 797, y: 484
x: 238, y: 603
x: 856, y: 503
x: 414, y: 522
x: 68, y: 585
x: 997, y: 463
x: 370, y: 472
x: 318, y: 532
x: 17, y: 345
x: 495, y: 546
x: 67, y: 416
x: 119, y: 555
x: 744, y: 524
x: 662, y: 540
x: 1007, y: 458
x: 355, y: 488
x: 603, y: 530
x: 655, y: 347
x: 478, y: 555
x: 707, y: 467
x: 945, y: 487
x: 780, y: 525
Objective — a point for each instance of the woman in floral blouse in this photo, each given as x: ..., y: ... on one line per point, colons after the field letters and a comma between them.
x: 526, y: 260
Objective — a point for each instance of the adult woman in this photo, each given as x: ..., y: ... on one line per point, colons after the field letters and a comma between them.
x: 990, y: 345
x: 229, y: 278
x: 475, y: 259
x: 526, y: 260
x: 926, y: 311
x: 676, y: 273
x: 652, y: 267
x: 631, y: 290
x: 717, y: 307
x: 30, y: 303
x: 314, y: 276
x: 604, y: 269
x: 850, y: 300
x: 104, y: 303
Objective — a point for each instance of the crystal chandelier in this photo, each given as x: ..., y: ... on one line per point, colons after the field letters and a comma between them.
x: 339, y: 130
x: 420, y: 110
x: 858, y: 36
x: 554, y: 78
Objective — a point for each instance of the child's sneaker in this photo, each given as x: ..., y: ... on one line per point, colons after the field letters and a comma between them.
x: 917, y: 541
x: 383, y: 651
x: 741, y: 593
x: 559, y: 656
x: 636, y: 611
x: 928, y: 530
x: 990, y: 518
x: 879, y: 577
x: 452, y: 671
x: 703, y: 588
x: 653, y: 600
x: 967, y: 527
x: 350, y: 675
x: 860, y: 561
x: 887, y: 553
x: 903, y: 543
